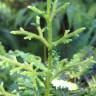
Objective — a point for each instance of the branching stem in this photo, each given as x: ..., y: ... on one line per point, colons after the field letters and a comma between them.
x: 49, y: 29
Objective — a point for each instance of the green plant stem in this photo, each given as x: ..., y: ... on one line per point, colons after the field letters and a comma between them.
x: 68, y: 35
x: 44, y: 41
x: 29, y: 35
x: 49, y: 28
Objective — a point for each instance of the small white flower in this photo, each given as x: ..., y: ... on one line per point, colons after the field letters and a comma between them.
x: 64, y: 84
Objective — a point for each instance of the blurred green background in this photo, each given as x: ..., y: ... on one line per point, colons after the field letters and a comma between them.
x: 14, y: 14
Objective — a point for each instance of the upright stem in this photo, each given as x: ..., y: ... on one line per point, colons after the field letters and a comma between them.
x: 49, y: 28
x: 49, y: 22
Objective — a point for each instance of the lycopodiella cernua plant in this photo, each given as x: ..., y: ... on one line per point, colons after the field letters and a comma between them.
x: 43, y: 77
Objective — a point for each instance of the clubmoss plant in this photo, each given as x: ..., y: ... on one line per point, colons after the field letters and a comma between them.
x: 49, y: 15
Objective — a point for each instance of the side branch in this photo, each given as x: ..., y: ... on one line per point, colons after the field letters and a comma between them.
x: 68, y: 36
x: 38, y: 11
x: 29, y: 36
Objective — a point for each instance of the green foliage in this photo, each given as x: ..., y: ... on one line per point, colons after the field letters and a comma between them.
x: 24, y: 74
x: 78, y: 12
